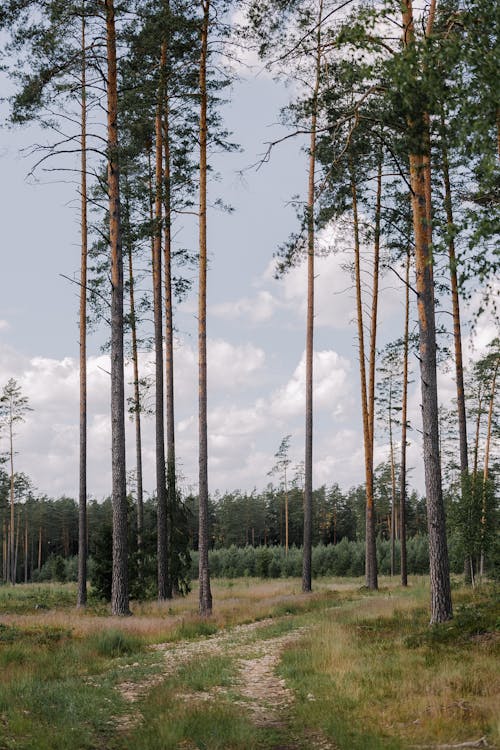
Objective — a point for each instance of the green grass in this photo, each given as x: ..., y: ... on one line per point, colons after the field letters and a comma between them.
x: 191, y: 629
x: 30, y: 598
x: 375, y: 675
x: 370, y: 673
x: 208, y: 726
x: 113, y: 643
x: 189, y: 708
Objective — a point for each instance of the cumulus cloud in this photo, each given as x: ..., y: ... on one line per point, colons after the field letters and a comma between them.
x: 257, y: 309
x: 47, y: 443
x: 334, y: 292
x: 330, y: 389
x: 4, y: 325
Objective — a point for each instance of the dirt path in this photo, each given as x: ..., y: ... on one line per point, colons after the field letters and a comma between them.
x: 260, y: 691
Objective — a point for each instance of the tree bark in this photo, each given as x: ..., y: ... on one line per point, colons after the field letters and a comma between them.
x: 308, y: 467
x: 25, y: 546
x: 119, y: 586
x: 164, y: 591
x: 393, y: 487
x: 12, y: 507
x: 419, y: 159
x: 404, y: 427
x: 137, y: 405
x: 205, y: 594
x: 457, y: 334
x: 370, y: 553
x: 81, y: 600
x: 169, y: 326
x: 486, y: 465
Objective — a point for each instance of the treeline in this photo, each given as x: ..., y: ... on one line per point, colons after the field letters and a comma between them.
x: 246, y: 531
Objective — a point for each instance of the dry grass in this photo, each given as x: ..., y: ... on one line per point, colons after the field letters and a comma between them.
x: 370, y: 675
x: 235, y: 602
x: 366, y: 674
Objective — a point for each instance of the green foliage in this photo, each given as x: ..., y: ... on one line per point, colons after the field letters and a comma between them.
x: 347, y: 558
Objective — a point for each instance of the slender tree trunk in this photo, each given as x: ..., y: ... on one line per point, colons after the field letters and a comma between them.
x: 404, y: 427
x: 308, y: 467
x: 169, y: 328
x: 286, y: 516
x: 164, y: 591
x: 12, y: 507
x: 119, y: 586
x: 39, y: 565
x: 371, y: 553
x: 370, y: 511
x: 205, y: 594
x: 441, y: 605
x: 25, y: 546
x: 4, y: 552
x: 137, y: 401
x: 17, y: 542
x: 475, y: 459
x: 457, y: 334
x: 393, y: 489
x: 486, y: 465
x: 81, y: 600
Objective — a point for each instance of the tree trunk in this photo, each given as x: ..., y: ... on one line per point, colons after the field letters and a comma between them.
x: 419, y: 159
x: 26, y: 546
x: 371, y: 554
x: 137, y: 405
x: 12, y: 516
x: 457, y: 334
x: 4, y: 552
x: 286, y: 516
x: 169, y: 328
x: 486, y: 465
x: 393, y: 488
x: 17, y: 542
x: 164, y: 591
x: 119, y: 586
x: 370, y: 512
x: 404, y: 426
x: 205, y: 594
x: 39, y: 547
x: 307, y: 545
x: 81, y: 600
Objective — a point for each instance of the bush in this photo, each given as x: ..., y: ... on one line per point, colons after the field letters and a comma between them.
x: 347, y: 558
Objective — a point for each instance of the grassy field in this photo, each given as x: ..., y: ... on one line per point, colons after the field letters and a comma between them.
x: 274, y: 668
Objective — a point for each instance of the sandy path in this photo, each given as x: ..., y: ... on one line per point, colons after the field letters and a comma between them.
x: 261, y: 692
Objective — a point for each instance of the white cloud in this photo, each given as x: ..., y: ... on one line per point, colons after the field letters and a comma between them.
x: 230, y: 365
x: 258, y: 309
x: 4, y: 325
x: 331, y: 386
x: 334, y: 291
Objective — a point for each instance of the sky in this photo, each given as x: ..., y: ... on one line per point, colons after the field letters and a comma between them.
x: 256, y: 326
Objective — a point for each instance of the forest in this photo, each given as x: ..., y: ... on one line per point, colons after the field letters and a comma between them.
x: 397, y: 108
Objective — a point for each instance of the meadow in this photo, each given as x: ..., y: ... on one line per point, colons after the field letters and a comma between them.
x: 273, y: 668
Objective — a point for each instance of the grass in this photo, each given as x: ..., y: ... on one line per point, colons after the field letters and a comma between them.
x: 369, y: 673
x: 377, y: 676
